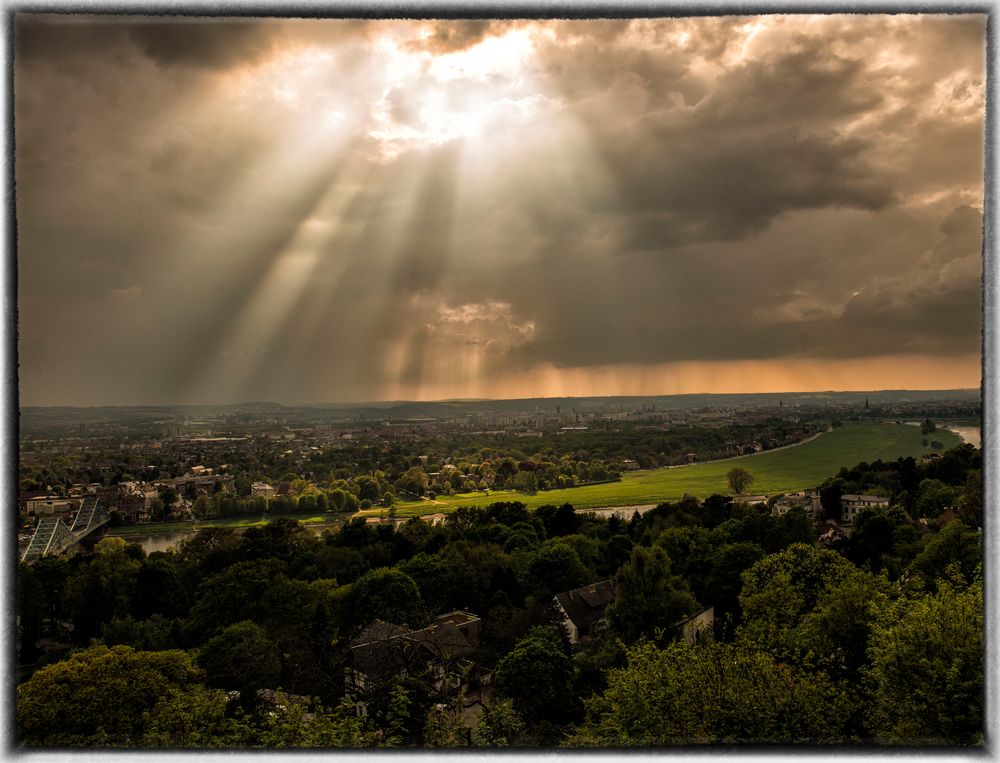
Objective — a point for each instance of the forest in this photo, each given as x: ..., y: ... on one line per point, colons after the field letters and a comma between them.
x: 252, y: 640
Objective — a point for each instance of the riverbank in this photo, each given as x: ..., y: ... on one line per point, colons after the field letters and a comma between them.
x: 163, y: 536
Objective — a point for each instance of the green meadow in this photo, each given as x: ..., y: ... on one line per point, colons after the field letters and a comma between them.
x: 777, y: 471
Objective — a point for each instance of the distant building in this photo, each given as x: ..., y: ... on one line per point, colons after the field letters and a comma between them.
x: 51, y: 504
x: 127, y: 499
x: 808, y: 501
x: 582, y: 608
x: 630, y: 465
x: 205, y: 483
x: 261, y: 490
x: 852, y: 504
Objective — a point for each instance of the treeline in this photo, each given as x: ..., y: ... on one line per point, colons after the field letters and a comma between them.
x: 242, y: 640
x: 550, y: 461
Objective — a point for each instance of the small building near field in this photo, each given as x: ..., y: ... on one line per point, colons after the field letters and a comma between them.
x: 851, y: 505
x: 582, y: 608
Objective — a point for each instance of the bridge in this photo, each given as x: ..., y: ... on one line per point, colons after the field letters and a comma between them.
x: 53, y: 536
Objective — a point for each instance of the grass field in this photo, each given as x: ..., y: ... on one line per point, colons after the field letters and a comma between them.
x: 777, y: 471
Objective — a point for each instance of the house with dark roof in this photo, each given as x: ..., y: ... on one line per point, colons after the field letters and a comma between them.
x: 442, y: 652
x: 582, y: 608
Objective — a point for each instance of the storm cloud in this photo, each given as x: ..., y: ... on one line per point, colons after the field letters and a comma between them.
x: 321, y: 210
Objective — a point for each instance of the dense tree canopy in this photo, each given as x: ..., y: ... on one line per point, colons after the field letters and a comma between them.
x: 100, y: 696
x: 927, y: 668
x: 537, y: 676
x: 719, y: 693
x: 649, y: 599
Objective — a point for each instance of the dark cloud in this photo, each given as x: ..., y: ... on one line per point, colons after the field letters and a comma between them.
x: 299, y: 210
x: 728, y: 190
x: 452, y: 36
x: 205, y: 43
x: 196, y: 43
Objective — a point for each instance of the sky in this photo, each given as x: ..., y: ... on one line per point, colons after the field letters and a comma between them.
x: 216, y: 211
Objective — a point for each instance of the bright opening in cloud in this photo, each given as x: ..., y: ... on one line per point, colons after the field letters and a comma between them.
x: 428, y: 99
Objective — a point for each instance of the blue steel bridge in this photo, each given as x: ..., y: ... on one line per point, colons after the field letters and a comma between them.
x: 53, y: 536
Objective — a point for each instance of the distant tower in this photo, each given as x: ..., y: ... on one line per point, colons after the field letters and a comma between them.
x: 781, y: 403
x: 866, y: 402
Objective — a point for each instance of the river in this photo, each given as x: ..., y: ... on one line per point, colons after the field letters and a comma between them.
x: 165, y: 541
x: 625, y: 512
x: 971, y: 435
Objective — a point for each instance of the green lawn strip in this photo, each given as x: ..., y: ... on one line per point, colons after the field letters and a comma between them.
x: 777, y: 471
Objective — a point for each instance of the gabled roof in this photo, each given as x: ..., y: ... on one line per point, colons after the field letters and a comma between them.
x: 586, y: 605
x: 384, y: 649
x: 379, y: 630
x: 443, y: 641
x: 382, y: 659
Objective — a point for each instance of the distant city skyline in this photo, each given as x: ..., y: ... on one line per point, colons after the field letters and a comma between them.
x: 322, y: 211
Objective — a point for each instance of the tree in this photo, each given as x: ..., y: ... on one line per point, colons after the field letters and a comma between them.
x: 368, y: 488
x: 284, y: 539
x: 715, y: 693
x: 435, y: 578
x: 203, y: 507
x: 780, y: 589
x: 839, y: 626
x: 101, y: 588
x: 414, y: 481
x: 955, y: 549
x: 872, y: 543
x: 52, y: 573
x: 242, y: 657
x: 970, y: 502
x: 387, y: 594
x: 739, y: 479
x: 100, y: 696
x: 443, y: 727
x: 154, y: 634
x: 168, y: 495
x: 30, y: 611
x: 649, y: 599
x: 725, y: 582
x: 829, y: 498
x: 297, y: 722
x: 556, y: 567
x: 927, y: 668
x: 499, y: 725
x: 195, y: 717
x: 232, y: 596
x: 157, y: 509
x: 933, y: 496
x: 537, y: 676
x: 160, y: 588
